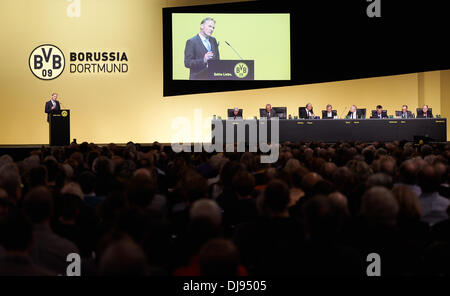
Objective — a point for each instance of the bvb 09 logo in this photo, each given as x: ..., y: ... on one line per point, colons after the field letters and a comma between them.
x: 47, y: 62
x: 241, y: 70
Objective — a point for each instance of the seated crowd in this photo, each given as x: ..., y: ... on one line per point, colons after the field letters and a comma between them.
x: 321, y: 209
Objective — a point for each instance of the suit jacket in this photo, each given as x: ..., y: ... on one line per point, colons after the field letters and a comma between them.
x: 383, y: 115
x: 48, y: 108
x: 407, y: 115
x: 303, y: 114
x: 420, y: 114
x: 325, y: 114
x: 194, y: 52
x: 272, y: 113
x: 358, y: 114
x: 232, y: 116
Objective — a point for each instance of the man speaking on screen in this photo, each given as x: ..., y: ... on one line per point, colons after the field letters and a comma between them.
x: 200, y: 49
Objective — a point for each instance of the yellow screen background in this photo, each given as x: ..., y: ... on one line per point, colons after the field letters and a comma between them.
x: 264, y: 38
x: 131, y: 107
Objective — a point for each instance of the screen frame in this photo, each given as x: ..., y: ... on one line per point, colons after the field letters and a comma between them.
x: 172, y: 87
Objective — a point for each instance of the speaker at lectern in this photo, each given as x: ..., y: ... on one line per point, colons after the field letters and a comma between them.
x: 59, y: 125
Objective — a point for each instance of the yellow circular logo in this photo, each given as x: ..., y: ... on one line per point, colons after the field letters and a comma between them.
x: 47, y: 62
x: 64, y: 113
x: 241, y: 70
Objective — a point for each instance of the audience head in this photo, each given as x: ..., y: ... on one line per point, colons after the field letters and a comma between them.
x: 87, y: 181
x: 441, y: 171
x: 207, y: 210
x: 228, y: 171
x: 323, y: 218
x: 193, y: 186
x: 243, y: 183
x: 276, y: 197
x: 379, y: 208
x: 426, y: 150
x: 387, y: 166
x: 10, y: 181
x: 219, y: 257
x: 38, y: 204
x: 407, y: 173
x: 408, y: 202
x: 249, y: 161
x: 38, y: 176
x: 102, y: 166
x: 5, y: 159
x: 340, y: 202
x: 428, y: 179
x: 309, y: 181
x: 344, y: 179
x: 73, y: 189
x: 123, y: 258
x: 328, y: 170
x: 379, y: 179
x: 140, y: 190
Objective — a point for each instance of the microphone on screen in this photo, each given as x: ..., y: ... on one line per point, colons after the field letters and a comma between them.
x: 234, y: 50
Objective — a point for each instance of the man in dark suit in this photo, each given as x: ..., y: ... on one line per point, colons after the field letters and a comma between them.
x: 354, y: 113
x: 235, y: 114
x: 424, y: 113
x: 269, y: 112
x: 52, y: 106
x: 307, y: 113
x: 405, y: 113
x: 200, y: 49
x: 379, y: 113
x: 329, y: 113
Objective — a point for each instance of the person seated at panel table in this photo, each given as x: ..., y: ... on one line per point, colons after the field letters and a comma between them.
x: 354, y: 113
x: 269, y: 112
x: 329, y: 113
x: 425, y: 112
x: 379, y: 113
x: 405, y: 112
x: 308, y: 112
x: 236, y: 114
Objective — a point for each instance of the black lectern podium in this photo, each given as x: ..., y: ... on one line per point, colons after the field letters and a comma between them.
x: 59, y: 126
x: 231, y: 70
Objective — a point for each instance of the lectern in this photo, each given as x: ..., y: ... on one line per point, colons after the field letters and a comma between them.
x: 231, y: 70
x: 59, y: 126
